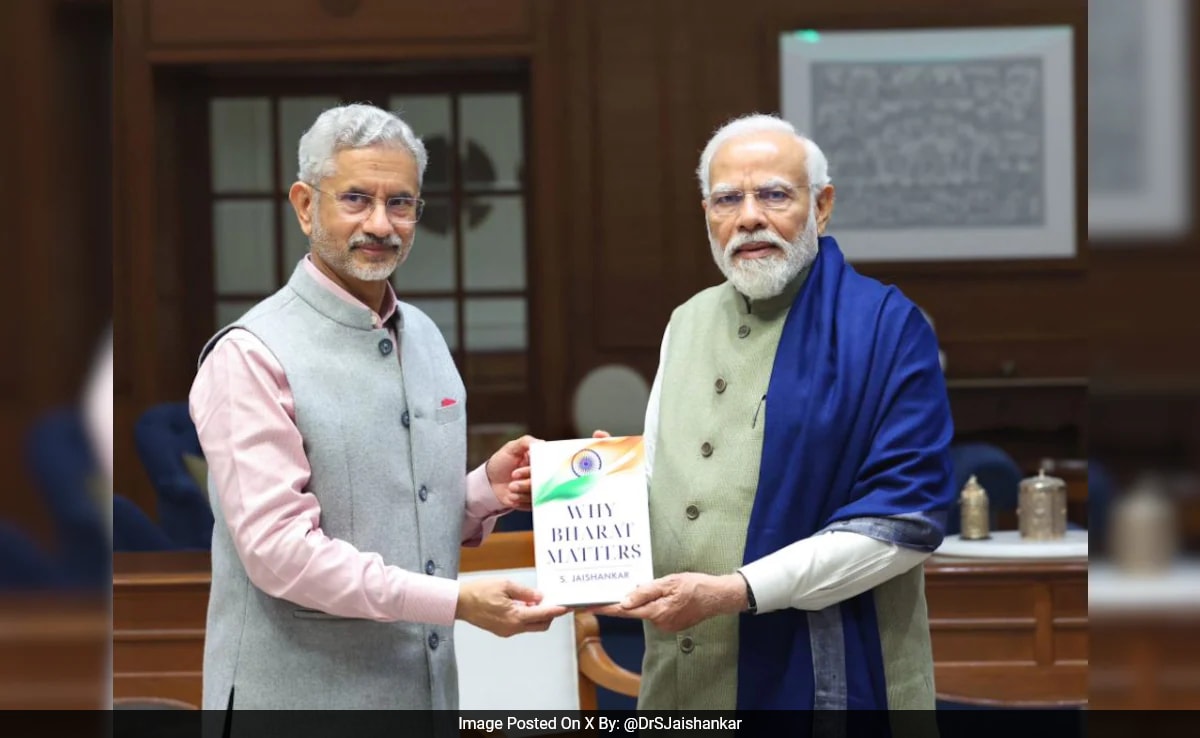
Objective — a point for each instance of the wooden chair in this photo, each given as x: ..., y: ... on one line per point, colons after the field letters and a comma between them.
x: 151, y: 703
x: 596, y: 667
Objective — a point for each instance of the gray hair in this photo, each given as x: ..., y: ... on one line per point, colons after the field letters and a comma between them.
x: 818, y: 167
x: 355, y: 126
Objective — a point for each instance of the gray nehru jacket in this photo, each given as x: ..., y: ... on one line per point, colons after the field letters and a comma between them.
x: 375, y: 436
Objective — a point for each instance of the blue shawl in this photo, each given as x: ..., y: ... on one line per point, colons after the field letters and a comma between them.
x: 857, y: 438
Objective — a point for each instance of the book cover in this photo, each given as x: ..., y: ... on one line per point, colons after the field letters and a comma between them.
x: 591, y: 519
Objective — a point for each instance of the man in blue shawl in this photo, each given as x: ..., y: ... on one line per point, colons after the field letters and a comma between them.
x: 797, y: 437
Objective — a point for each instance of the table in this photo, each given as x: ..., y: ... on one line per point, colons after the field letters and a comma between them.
x: 53, y: 652
x: 1009, y: 632
x: 1146, y: 627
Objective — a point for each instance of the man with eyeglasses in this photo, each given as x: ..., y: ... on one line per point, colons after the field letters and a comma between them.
x: 797, y: 441
x: 333, y: 422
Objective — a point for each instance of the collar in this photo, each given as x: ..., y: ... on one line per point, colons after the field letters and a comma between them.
x: 322, y: 279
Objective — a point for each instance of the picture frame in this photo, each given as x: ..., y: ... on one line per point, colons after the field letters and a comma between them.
x: 944, y: 144
x: 1139, y: 146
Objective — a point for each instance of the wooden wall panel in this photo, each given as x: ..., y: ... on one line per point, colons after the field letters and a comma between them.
x: 139, y: 361
x: 558, y: 119
x: 629, y: 264
x: 225, y: 23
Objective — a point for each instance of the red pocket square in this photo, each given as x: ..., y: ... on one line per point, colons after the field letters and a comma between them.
x: 448, y: 401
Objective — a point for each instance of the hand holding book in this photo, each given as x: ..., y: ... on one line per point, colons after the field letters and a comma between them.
x: 678, y: 601
x: 518, y: 487
x: 504, y: 607
x: 508, y: 473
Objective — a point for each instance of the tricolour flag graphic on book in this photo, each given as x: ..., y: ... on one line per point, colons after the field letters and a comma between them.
x: 589, y: 466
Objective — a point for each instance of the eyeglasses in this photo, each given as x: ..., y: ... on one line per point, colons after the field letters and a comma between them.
x: 399, y: 209
x: 772, y: 197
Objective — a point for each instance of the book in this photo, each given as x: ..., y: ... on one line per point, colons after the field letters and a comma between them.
x: 591, y: 519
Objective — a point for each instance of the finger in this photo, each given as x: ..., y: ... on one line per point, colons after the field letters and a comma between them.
x: 521, y: 592
x: 601, y: 434
x: 539, y: 613
x: 521, y: 487
x: 522, y: 472
x: 642, y: 595
x: 542, y: 622
x: 520, y: 446
x: 649, y: 612
x: 617, y: 611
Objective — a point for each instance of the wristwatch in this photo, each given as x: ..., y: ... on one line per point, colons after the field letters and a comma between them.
x: 753, y: 609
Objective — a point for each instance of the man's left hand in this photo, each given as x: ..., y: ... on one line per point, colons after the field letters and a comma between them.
x: 516, y: 484
x: 679, y: 601
x: 512, y: 490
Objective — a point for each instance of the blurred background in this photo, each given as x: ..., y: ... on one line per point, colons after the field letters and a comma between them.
x: 1144, y: 399
x: 56, y: 380
x: 158, y: 137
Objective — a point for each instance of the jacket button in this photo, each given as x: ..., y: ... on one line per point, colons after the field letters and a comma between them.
x: 434, y: 641
x: 692, y: 512
x: 686, y: 644
x: 720, y: 385
x: 706, y: 449
x: 404, y: 419
x: 423, y: 493
x: 429, y: 567
x: 743, y: 331
x: 385, y: 346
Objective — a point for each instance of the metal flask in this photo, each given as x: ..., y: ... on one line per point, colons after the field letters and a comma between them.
x: 973, y: 511
x: 1042, y: 508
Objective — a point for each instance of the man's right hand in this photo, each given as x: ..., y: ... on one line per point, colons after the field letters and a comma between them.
x: 504, y: 607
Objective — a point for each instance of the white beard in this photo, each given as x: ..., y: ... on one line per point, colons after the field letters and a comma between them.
x: 342, y: 261
x: 759, y: 279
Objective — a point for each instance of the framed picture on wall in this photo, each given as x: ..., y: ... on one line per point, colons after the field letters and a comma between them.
x: 1138, y: 136
x: 943, y: 144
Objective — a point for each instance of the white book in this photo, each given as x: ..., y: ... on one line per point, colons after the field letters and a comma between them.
x: 591, y: 519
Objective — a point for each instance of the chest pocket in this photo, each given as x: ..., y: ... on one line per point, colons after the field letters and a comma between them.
x: 448, y: 414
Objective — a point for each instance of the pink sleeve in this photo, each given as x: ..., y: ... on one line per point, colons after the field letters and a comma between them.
x: 245, y: 417
x: 483, y: 509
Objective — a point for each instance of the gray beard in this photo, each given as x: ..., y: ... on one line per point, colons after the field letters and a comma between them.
x: 343, y: 262
x: 759, y: 279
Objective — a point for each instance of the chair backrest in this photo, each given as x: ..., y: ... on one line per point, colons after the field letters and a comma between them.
x: 134, y: 531
x: 60, y: 459
x: 24, y: 567
x: 530, y: 671
x: 162, y: 435
x: 1101, y: 490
